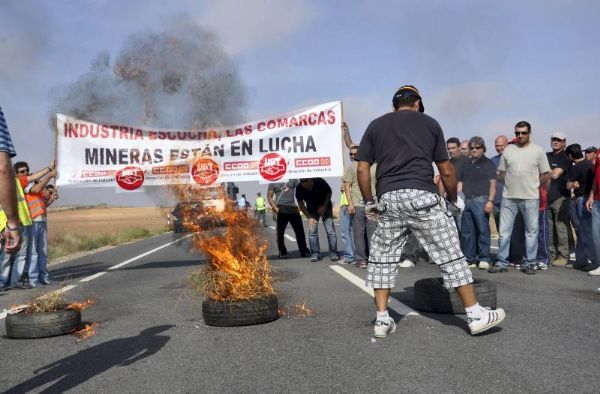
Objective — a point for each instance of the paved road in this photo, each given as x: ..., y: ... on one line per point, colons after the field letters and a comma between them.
x: 151, y: 337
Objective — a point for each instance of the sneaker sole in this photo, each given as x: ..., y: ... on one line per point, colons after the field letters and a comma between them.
x: 392, y: 331
x: 492, y: 325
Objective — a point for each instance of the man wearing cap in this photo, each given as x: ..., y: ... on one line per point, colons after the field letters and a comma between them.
x: 404, y: 143
x: 590, y: 153
x: 523, y: 167
x: 559, y: 198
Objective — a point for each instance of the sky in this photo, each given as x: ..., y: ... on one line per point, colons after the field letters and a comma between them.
x: 480, y: 66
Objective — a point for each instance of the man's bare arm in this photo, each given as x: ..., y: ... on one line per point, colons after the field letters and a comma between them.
x: 448, y: 178
x: 545, y: 178
x: 42, y: 182
x: 364, y: 180
x: 346, y: 135
x: 272, y: 203
x: 8, y: 191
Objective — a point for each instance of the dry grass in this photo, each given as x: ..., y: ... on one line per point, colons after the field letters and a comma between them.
x: 83, y: 229
x: 51, y: 302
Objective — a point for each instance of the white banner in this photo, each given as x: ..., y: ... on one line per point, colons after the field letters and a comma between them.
x: 300, y: 144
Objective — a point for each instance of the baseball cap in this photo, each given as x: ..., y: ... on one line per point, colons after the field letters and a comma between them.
x: 407, y: 91
x: 559, y: 135
x: 590, y: 149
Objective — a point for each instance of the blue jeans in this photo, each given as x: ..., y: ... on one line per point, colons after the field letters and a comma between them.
x: 37, y: 252
x: 543, y: 253
x: 313, y: 237
x: 529, y: 208
x: 475, y: 227
x: 584, y: 248
x: 13, y: 265
x: 346, y: 233
x: 596, y: 229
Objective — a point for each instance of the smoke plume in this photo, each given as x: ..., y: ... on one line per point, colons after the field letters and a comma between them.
x: 179, y: 77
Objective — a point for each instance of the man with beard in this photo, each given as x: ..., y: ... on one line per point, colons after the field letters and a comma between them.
x: 404, y: 143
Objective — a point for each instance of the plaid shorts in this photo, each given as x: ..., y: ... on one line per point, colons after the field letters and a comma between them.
x: 419, y: 212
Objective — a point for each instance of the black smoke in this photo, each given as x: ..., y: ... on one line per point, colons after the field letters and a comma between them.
x: 177, y: 77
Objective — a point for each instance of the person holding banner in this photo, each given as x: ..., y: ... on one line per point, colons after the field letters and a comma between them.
x: 404, y: 143
x: 314, y: 200
x: 10, y: 236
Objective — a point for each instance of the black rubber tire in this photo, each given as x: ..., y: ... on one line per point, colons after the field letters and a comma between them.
x: 430, y: 295
x: 42, y: 324
x: 240, y: 313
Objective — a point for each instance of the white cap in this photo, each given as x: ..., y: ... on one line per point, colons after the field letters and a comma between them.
x: 559, y: 135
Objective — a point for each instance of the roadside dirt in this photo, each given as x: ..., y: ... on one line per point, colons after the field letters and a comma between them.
x: 98, y: 220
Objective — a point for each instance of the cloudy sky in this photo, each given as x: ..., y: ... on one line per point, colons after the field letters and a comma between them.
x: 481, y: 66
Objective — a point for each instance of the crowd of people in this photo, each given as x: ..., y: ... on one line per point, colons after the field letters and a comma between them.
x: 542, y: 206
x: 24, y: 198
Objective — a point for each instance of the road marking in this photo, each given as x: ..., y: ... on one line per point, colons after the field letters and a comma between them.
x: 18, y: 308
x: 131, y: 260
x: 272, y: 227
x: 290, y: 237
x: 393, y: 303
x: 92, y: 277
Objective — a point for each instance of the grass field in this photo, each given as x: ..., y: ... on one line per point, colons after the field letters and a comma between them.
x: 82, y: 229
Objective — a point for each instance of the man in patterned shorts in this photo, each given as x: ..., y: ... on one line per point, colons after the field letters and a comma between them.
x: 404, y: 143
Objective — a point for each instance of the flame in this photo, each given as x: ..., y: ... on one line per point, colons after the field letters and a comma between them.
x: 304, y: 310
x: 79, y: 306
x: 86, y: 332
x: 237, y: 267
x: 283, y: 311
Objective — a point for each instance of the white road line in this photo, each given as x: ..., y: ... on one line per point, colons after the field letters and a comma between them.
x: 393, y: 303
x: 290, y: 237
x: 272, y: 227
x: 92, y: 277
x: 494, y: 247
x: 131, y: 260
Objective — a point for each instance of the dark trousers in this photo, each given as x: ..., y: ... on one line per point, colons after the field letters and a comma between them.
x: 296, y: 221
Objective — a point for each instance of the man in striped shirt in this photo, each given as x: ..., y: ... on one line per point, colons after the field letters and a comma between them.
x: 10, y: 234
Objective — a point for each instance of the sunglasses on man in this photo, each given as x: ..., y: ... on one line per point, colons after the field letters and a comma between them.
x: 518, y: 133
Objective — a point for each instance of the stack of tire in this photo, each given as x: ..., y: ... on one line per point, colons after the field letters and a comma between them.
x: 431, y: 296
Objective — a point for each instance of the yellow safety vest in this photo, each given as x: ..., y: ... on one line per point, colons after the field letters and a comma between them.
x: 260, y: 203
x: 22, y: 208
x: 343, y: 200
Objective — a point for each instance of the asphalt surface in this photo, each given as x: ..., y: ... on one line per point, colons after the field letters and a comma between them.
x: 151, y: 336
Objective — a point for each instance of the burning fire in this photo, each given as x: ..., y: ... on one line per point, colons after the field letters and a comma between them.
x: 237, y: 267
x: 300, y: 310
x: 79, y: 306
x: 86, y: 332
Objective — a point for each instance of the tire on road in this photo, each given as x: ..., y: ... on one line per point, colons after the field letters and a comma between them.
x: 42, y: 324
x: 240, y: 313
x: 430, y: 295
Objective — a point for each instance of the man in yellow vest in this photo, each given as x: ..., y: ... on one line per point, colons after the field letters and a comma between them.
x: 261, y: 209
x: 346, y: 229
x: 12, y: 267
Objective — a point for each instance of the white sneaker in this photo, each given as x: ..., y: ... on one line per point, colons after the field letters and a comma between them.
x: 406, y: 264
x: 484, y: 265
x: 383, y: 329
x: 595, y: 272
x: 472, y: 265
x: 489, y: 318
x: 572, y: 256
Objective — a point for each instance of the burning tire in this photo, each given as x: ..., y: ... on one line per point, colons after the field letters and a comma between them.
x: 240, y: 313
x: 42, y: 324
x: 430, y: 295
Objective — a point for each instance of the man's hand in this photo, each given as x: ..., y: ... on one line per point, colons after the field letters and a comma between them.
x: 488, y: 207
x: 12, y: 238
x: 372, y: 210
x: 351, y: 209
x: 276, y: 209
x: 312, y: 223
x: 589, y: 203
x: 457, y: 206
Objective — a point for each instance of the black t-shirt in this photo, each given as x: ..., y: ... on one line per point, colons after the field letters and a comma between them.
x: 458, y: 162
x: 403, y: 144
x: 558, y: 187
x: 315, y: 197
x: 476, y: 176
x: 583, y: 173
